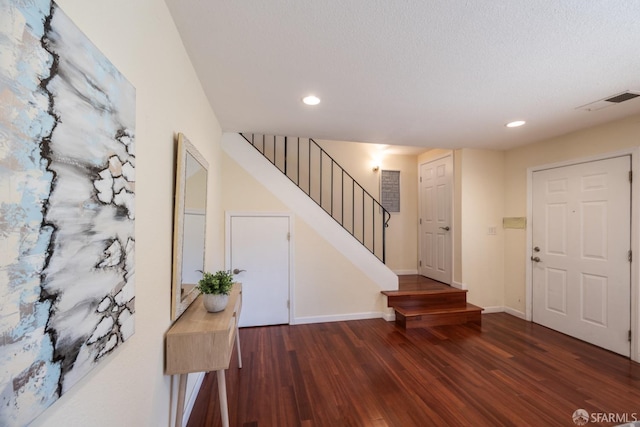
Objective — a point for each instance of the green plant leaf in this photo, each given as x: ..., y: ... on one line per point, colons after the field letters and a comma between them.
x: 219, y: 282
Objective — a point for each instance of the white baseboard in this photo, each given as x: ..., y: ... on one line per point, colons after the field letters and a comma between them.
x: 404, y: 272
x: 192, y: 398
x: 508, y: 310
x: 496, y: 309
x: 389, y: 317
x: 338, y: 317
x: 458, y: 285
x: 515, y: 313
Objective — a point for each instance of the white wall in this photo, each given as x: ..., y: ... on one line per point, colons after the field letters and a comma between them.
x: 482, y: 206
x: 129, y: 388
x: 402, y: 240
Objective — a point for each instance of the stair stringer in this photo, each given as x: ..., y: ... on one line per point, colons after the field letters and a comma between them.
x: 254, y: 163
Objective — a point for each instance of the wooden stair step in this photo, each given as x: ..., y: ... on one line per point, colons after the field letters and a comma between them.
x: 420, y: 317
x: 422, y: 302
x: 424, y: 292
x: 418, y: 311
x: 450, y: 297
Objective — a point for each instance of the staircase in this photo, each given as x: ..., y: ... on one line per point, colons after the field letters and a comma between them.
x: 285, y: 189
x: 423, y: 303
x: 307, y: 165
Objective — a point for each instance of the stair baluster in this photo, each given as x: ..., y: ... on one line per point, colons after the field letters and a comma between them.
x: 354, y: 213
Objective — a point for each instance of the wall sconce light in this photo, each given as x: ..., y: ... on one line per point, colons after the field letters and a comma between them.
x: 377, y: 157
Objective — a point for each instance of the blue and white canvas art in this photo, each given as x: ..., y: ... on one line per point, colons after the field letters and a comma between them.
x: 67, y: 185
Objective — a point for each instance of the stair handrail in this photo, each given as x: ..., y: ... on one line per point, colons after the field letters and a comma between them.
x: 283, y: 167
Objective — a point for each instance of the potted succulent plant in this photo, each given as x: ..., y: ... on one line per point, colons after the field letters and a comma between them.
x: 215, y: 288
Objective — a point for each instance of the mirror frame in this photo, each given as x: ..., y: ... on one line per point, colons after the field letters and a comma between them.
x: 185, y: 148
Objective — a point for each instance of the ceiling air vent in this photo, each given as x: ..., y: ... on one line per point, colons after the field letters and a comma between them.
x: 622, y: 97
x: 610, y: 101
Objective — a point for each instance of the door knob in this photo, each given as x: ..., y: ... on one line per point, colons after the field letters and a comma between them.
x: 536, y: 249
x: 535, y: 258
x: 237, y: 271
x: 445, y: 228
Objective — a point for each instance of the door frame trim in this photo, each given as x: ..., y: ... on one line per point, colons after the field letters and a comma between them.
x: 452, y: 206
x: 635, y: 237
x: 227, y: 247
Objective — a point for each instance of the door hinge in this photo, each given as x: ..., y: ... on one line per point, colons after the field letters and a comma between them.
x: 629, y: 335
x: 288, y: 304
x: 630, y: 176
x: 420, y: 221
x: 420, y: 263
x: 420, y: 179
x: 289, y: 236
x: 630, y: 255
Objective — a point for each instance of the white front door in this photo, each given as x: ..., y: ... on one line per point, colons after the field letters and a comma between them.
x: 435, y: 226
x: 259, y: 249
x: 581, y: 229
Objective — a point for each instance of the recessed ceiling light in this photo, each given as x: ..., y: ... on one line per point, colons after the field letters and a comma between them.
x: 515, y: 124
x: 311, y: 100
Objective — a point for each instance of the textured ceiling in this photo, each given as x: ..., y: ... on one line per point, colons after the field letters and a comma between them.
x: 446, y: 73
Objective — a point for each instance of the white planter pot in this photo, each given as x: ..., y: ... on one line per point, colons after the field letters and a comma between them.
x: 215, y: 302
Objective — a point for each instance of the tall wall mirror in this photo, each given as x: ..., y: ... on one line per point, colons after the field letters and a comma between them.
x: 189, y: 228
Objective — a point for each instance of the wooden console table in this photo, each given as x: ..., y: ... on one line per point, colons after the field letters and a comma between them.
x: 200, y: 341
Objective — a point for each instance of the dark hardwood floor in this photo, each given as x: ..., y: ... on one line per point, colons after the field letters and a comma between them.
x: 507, y: 372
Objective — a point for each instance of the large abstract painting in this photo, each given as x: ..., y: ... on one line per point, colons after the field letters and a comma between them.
x: 67, y: 164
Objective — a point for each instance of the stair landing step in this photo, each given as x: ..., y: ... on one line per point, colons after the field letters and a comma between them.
x: 425, y: 311
x: 432, y: 299
x: 448, y: 290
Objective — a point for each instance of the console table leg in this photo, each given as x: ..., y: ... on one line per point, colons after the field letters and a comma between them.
x: 222, y: 391
x: 182, y: 389
x: 238, y: 344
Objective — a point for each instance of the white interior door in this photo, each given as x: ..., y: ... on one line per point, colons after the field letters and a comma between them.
x: 436, y: 180
x: 581, y: 229
x: 259, y: 246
